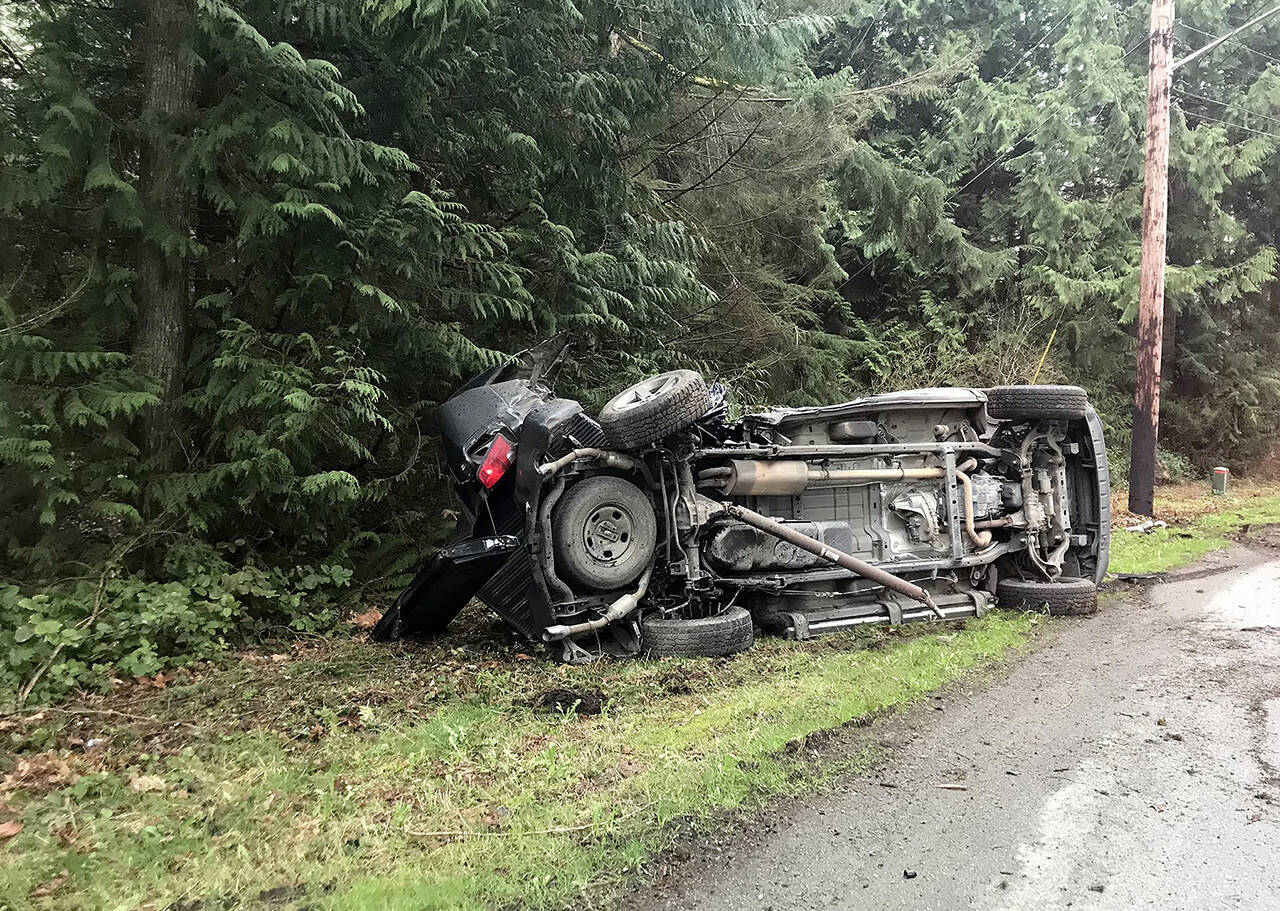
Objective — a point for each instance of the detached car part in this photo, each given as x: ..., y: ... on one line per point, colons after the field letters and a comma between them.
x: 664, y: 528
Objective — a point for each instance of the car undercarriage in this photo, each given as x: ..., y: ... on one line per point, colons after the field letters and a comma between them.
x: 666, y: 528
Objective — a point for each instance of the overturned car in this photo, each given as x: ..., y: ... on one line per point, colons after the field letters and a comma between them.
x: 664, y: 528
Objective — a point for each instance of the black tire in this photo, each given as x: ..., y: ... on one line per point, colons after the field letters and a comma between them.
x: 654, y: 408
x: 1063, y: 403
x: 604, y: 532
x: 1066, y: 597
x: 724, y: 634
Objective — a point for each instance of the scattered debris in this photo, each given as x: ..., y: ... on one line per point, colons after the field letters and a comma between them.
x: 145, y: 784
x: 1162, y: 721
x: 39, y: 774
x: 1146, y: 527
x: 953, y: 787
x: 10, y: 828
x: 367, y: 619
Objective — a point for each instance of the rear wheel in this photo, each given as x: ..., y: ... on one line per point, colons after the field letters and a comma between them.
x: 724, y: 634
x: 654, y: 408
x: 1066, y: 597
x: 604, y: 533
x: 1065, y: 403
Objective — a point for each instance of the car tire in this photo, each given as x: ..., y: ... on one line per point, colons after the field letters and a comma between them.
x: 723, y: 634
x: 604, y: 532
x: 654, y: 408
x: 1064, y: 598
x: 1064, y: 403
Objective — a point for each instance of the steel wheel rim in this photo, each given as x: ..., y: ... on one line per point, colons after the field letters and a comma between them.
x: 609, y: 533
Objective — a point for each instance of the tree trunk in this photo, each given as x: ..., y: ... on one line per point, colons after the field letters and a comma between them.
x: 161, y: 287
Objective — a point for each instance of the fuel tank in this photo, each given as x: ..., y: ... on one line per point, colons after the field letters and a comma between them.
x: 735, y: 547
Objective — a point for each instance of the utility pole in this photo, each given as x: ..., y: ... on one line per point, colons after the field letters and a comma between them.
x: 1155, y: 219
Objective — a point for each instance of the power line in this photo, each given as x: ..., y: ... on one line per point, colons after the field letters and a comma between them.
x: 1236, y: 126
x: 1231, y: 105
x: 1229, y: 37
x: 1053, y: 28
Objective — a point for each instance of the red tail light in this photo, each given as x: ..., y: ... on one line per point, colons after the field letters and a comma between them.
x: 496, y: 461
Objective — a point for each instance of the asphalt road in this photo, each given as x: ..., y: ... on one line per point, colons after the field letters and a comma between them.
x: 1132, y: 762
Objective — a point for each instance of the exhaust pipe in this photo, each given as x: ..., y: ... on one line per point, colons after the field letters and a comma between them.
x: 980, y: 539
x: 761, y: 478
x: 608, y: 459
x: 617, y: 610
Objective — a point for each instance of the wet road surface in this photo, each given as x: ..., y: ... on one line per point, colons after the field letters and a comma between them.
x: 1133, y: 762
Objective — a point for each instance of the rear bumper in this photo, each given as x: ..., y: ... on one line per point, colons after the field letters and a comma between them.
x: 444, y: 585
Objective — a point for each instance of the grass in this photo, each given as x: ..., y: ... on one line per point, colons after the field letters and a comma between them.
x: 1199, y: 523
x: 355, y: 776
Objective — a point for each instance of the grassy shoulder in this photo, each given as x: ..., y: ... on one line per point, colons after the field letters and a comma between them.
x: 1199, y: 523
x: 354, y: 776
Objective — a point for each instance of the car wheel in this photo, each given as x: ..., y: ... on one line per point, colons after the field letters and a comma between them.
x: 723, y: 634
x: 1064, y: 403
x: 604, y: 533
x: 1066, y: 597
x: 654, y: 408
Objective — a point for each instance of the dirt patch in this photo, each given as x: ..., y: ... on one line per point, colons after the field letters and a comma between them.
x: 562, y: 701
x: 1187, y: 502
x: 1267, y: 536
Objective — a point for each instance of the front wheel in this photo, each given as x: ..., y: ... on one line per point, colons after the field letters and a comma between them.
x: 1043, y: 403
x: 1066, y: 597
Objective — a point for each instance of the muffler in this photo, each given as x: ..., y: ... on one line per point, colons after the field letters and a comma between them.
x: 761, y: 478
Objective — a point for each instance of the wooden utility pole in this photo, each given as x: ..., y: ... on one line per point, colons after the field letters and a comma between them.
x: 1155, y: 218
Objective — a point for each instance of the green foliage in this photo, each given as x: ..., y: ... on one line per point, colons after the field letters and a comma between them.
x: 87, y: 632
x: 384, y: 196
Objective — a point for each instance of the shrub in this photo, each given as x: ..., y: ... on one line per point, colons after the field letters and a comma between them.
x: 82, y: 634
